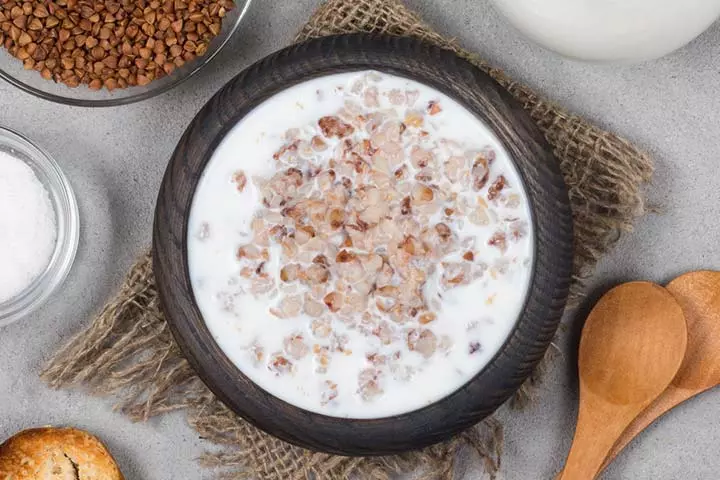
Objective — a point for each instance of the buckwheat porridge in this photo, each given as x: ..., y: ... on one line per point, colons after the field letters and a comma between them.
x: 360, y: 245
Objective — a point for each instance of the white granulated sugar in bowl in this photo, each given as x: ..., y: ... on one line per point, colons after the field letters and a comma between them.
x: 28, y: 229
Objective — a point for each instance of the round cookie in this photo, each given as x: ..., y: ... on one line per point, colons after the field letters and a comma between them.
x: 56, y: 454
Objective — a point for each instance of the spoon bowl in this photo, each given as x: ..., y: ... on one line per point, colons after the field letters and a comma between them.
x: 632, y: 345
x: 698, y: 294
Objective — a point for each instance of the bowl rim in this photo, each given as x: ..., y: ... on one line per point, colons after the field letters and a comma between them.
x: 549, y: 285
x: 67, y: 217
x: 116, y: 102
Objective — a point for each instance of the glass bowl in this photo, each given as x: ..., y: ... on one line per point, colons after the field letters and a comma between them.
x: 30, y: 81
x: 67, y: 220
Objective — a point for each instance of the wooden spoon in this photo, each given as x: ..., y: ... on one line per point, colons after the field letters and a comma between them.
x: 632, y: 346
x: 698, y: 294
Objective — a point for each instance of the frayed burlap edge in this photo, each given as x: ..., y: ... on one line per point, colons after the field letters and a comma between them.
x: 128, y: 351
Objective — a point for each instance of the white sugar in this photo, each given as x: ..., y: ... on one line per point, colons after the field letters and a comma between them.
x: 27, y: 227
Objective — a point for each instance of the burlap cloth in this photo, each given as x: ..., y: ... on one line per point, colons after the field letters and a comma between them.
x: 128, y: 352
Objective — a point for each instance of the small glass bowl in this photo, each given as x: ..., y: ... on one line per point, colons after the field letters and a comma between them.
x: 30, y: 81
x: 67, y: 220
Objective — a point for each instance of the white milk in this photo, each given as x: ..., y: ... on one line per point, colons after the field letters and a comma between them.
x: 611, y: 30
x: 477, y: 317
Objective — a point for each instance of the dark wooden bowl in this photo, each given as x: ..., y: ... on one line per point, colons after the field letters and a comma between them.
x: 552, y: 220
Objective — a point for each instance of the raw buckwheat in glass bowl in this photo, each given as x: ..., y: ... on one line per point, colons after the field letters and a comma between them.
x: 67, y: 224
x: 111, y: 51
x: 365, y: 252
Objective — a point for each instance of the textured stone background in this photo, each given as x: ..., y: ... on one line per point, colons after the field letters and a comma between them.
x: 115, y: 159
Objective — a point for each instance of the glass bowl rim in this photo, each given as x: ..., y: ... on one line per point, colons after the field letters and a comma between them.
x: 115, y: 102
x: 68, y: 231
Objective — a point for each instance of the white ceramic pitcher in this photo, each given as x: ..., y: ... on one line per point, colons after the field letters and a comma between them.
x: 611, y: 30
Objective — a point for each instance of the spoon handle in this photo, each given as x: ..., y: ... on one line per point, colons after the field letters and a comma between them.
x: 599, y: 424
x: 670, y: 398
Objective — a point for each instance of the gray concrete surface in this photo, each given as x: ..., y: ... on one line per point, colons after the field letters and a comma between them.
x: 115, y: 159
